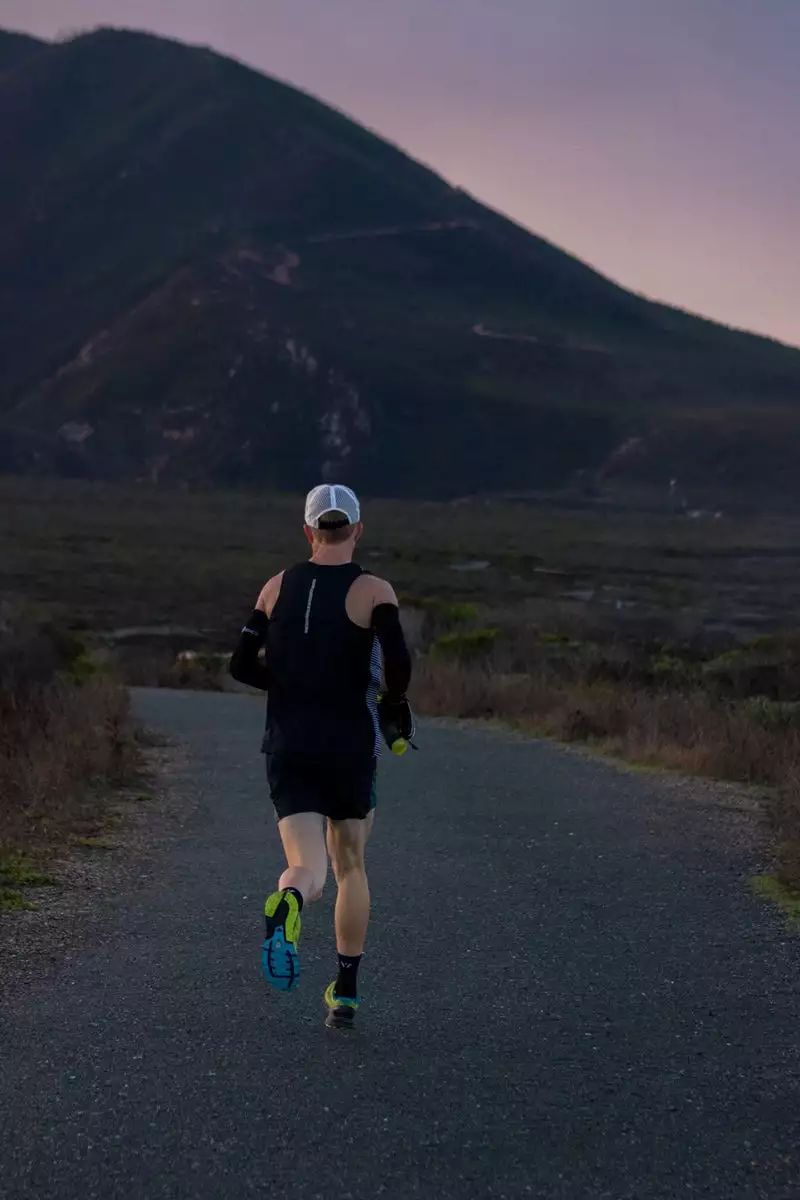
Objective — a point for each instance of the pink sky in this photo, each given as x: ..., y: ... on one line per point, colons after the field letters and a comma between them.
x: 658, y: 140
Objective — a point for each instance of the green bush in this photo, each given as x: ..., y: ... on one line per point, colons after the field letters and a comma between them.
x: 457, y: 613
x: 774, y: 715
x: 35, y: 653
x: 555, y: 639
x: 747, y: 671
x: 446, y: 612
x: 81, y: 668
x: 465, y: 646
x: 673, y: 671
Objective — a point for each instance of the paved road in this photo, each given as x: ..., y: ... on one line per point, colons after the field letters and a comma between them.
x: 570, y: 994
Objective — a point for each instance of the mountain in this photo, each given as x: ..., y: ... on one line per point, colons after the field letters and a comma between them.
x: 16, y: 47
x: 209, y: 276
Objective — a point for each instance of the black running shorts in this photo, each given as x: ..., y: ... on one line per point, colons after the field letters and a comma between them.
x: 340, y: 786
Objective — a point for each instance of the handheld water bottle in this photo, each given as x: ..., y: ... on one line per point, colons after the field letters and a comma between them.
x: 395, y: 741
x: 396, y: 737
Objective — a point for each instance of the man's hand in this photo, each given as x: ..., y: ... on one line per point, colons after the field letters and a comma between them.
x: 395, y: 718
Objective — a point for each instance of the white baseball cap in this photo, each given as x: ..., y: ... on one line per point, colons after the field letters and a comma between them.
x: 332, y: 498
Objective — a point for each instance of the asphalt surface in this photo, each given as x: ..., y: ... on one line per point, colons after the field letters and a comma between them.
x: 569, y: 993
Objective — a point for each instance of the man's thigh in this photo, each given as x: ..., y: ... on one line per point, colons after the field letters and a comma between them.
x: 303, y: 837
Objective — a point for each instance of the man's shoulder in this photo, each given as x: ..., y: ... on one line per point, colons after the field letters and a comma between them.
x: 380, y: 590
x: 270, y: 592
x: 275, y: 581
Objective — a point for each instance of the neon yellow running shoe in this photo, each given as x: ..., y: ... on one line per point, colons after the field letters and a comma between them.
x: 279, y: 956
x: 341, y: 1009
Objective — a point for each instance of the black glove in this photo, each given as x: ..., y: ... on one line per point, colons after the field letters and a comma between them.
x: 396, y: 719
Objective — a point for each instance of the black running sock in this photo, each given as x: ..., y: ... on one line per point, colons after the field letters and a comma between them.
x: 297, y: 895
x: 347, y: 979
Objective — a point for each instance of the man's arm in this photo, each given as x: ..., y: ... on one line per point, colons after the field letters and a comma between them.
x: 245, y: 665
x: 389, y: 632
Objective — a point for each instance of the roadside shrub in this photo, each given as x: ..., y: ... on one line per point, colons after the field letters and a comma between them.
x: 427, y: 618
x: 56, y: 743
x: 449, y: 612
x: 768, y: 666
x: 63, y: 730
x: 777, y: 715
x: 465, y: 647
x: 691, y: 732
x: 556, y: 639
x: 784, y: 811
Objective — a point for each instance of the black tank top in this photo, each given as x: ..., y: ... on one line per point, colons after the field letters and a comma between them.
x: 325, y: 671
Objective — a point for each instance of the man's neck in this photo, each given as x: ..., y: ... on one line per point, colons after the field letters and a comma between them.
x: 333, y: 556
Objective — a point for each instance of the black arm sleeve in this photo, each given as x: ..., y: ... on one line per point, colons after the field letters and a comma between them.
x: 396, y: 658
x: 245, y: 665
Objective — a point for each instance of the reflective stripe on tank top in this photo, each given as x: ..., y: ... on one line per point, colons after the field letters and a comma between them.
x: 310, y: 601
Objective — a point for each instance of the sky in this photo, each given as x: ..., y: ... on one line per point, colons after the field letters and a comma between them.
x: 659, y: 140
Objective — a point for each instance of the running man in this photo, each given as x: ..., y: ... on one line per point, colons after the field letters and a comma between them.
x: 329, y: 631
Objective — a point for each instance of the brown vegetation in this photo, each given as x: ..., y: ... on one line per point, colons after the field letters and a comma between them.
x: 63, y: 738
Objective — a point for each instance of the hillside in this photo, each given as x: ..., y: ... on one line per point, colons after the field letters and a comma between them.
x: 209, y: 276
x: 16, y: 47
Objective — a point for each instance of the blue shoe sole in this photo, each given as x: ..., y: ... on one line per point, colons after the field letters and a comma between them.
x: 280, y: 961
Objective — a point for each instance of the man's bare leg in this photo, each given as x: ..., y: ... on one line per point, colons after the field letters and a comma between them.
x: 303, y: 837
x: 347, y: 841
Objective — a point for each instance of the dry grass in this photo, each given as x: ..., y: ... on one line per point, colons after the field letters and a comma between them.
x: 58, y: 744
x: 64, y: 737
x: 785, y: 813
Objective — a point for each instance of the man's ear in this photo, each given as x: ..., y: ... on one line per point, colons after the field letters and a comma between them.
x: 358, y: 533
x: 309, y: 534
